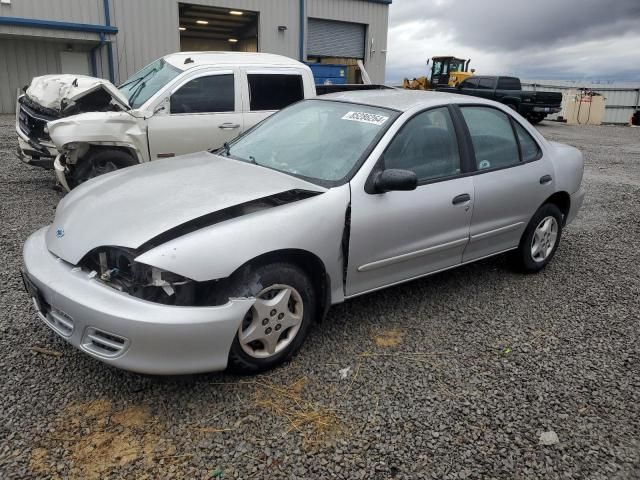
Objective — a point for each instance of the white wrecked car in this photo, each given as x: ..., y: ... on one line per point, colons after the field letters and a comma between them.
x: 182, y: 103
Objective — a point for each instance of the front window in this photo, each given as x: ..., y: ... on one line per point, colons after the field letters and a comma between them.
x: 210, y: 94
x: 457, y: 65
x: 319, y: 140
x: 427, y: 145
x: 147, y: 82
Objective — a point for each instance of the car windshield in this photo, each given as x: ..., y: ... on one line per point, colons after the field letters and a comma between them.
x: 147, y: 82
x: 319, y: 140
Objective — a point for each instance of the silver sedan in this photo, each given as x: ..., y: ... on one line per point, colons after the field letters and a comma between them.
x: 226, y: 259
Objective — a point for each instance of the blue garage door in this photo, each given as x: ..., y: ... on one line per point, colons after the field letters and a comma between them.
x: 327, y: 38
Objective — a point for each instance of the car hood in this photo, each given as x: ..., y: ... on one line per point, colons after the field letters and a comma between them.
x: 130, y: 207
x: 59, y: 92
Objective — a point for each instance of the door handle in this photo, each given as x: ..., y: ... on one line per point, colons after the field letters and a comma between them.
x: 545, y: 179
x: 463, y: 198
x: 228, y: 126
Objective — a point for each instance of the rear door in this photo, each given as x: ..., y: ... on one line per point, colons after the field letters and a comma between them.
x: 202, y: 112
x: 267, y: 90
x: 513, y: 178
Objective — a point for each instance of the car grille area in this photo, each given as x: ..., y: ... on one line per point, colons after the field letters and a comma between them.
x: 56, y: 319
x: 32, y: 121
x: 103, y: 343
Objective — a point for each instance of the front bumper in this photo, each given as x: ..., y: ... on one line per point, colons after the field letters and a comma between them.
x: 122, y: 330
x: 577, y: 199
x: 38, y: 155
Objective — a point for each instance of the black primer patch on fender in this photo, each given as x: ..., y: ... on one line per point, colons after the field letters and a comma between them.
x: 283, y: 198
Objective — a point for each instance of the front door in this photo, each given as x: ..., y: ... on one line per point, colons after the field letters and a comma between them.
x: 396, y: 236
x: 513, y: 180
x: 202, y: 113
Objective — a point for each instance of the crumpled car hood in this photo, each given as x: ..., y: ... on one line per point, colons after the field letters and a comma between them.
x: 129, y: 207
x: 56, y: 91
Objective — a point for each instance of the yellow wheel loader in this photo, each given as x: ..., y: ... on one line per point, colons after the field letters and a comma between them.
x: 445, y: 72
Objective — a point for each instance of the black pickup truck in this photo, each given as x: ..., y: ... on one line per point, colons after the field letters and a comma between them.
x: 532, y: 105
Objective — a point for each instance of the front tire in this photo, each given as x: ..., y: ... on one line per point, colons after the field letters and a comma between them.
x: 275, y: 327
x: 540, y: 239
x: 98, y: 163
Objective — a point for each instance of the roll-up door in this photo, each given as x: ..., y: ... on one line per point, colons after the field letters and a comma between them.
x: 327, y: 38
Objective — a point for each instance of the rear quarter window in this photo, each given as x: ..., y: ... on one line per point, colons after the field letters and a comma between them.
x: 508, y: 83
x: 274, y: 91
x: 528, y: 146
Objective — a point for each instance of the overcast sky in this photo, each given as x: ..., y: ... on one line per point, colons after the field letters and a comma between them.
x: 533, y: 39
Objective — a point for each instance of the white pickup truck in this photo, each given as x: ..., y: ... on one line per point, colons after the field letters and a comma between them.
x: 182, y: 103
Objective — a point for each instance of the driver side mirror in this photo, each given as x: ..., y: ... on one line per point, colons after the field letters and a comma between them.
x: 395, y: 179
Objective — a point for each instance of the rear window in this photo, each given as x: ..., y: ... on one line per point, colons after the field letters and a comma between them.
x: 471, y: 83
x: 508, y: 83
x: 274, y: 91
x: 487, y: 83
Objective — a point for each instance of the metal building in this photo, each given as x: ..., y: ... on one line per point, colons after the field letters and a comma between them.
x: 114, y: 38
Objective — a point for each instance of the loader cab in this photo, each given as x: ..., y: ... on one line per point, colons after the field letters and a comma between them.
x: 448, y: 71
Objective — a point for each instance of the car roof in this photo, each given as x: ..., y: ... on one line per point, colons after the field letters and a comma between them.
x: 228, y: 58
x: 401, y: 99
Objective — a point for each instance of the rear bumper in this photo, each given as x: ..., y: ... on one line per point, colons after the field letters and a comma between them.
x: 122, y: 330
x: 576, y: 203
x: 548, y: 110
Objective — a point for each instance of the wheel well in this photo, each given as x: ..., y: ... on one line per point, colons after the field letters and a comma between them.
x: 313, y: 267
x: 562, y: 200
x: 128, y: 150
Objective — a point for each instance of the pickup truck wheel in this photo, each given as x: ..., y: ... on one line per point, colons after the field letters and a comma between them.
x: 98, y: 163
x: 535, y: 118
x: 276, y: 325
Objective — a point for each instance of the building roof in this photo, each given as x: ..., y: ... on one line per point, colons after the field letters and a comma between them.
x: 400, y: 99
x: 227, y: 58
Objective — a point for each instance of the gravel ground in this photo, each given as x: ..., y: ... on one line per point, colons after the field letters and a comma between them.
x: 453, y: 376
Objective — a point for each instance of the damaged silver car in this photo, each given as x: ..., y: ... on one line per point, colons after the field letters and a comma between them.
x: 227, y: 258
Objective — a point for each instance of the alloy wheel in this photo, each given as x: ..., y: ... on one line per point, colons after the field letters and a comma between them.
x: 544, y: 239
x: 272, y: 322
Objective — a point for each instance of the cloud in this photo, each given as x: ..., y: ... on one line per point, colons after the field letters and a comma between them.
x: 543, y: 39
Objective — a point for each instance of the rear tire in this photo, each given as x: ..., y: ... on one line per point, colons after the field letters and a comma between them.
x: 98, y: 163
x: 276, y: 326
x: 534, y: 119
x: 540, y: 239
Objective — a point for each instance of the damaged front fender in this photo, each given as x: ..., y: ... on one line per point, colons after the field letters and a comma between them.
x: 121, y: 129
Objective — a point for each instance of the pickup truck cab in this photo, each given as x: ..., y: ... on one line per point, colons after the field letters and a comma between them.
x: 181, y: 103
x: 534, y: 106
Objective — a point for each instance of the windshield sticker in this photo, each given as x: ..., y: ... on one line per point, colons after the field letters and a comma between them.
x: 365, y: 117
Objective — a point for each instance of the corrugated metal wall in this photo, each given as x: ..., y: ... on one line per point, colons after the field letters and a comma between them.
x: 148, y: 29
x: 375, y: 15
x: 620, y: 101
x: 144, y: 37
x: 21, y: 60
x: 76, y: 11
x: 328, y: 38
